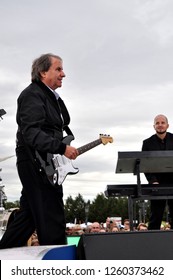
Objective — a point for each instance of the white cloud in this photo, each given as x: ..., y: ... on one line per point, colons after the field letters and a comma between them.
x: 118, y: 61
x: 157, y: 16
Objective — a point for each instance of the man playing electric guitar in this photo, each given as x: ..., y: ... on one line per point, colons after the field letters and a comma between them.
x: 41, y: 117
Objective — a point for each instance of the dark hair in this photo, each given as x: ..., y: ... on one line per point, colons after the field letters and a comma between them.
x: 42, y: 64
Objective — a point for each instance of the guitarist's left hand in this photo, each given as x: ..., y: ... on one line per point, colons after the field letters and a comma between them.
x: 71, y: 152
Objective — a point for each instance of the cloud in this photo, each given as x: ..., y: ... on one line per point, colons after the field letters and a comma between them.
x: 156, y: 16
x: 118, y: 63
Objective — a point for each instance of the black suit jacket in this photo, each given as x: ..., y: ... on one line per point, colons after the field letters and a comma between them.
x: 154, y: 143
x: 41, y: 120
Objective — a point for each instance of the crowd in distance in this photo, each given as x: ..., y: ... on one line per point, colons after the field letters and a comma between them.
x: 110, y: 226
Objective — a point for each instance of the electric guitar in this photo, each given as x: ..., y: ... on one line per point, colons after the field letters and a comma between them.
x: 57, y: 167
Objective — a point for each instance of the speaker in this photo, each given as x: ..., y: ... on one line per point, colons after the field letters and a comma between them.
x: 133, y: 245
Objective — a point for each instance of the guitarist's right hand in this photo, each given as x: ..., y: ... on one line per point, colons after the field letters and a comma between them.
x: 71, y: 152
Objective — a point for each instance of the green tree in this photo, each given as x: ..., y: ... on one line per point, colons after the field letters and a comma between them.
x: 75, y: 209
x: 103, y: 207
x: 14, y: 204
x: 99, y: 209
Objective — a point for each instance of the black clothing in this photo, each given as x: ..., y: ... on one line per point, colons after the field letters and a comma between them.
x: 41, y: 119
x: 154, y: 143
x: 40, y: 122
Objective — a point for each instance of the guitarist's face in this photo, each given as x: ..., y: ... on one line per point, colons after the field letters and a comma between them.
x: 53, y: 77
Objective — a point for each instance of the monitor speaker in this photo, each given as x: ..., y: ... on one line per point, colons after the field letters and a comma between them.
x: 140, y: 245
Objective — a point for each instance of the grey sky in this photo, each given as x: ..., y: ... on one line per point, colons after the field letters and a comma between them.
x: 118, y: 60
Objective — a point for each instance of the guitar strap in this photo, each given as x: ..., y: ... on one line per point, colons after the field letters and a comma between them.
x: 68, y: 130
x: 65, y: 127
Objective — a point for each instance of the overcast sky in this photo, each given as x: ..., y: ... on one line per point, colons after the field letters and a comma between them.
x: 118, y: 60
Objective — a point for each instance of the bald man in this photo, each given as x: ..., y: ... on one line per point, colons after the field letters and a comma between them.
x: 95, y: 227
x: 161, y: 140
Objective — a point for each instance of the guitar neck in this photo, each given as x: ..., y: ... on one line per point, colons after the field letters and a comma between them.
x: 89, y: 146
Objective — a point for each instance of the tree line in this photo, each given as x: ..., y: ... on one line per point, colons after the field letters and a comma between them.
x: 79, y: 210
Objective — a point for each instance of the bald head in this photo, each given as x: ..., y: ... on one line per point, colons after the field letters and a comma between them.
x: 95, y: 227
x: 161, y: 125
x: 161, y: 117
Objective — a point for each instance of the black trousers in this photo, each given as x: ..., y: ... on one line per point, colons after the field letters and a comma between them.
x: 41, y: 209
x: 157, y: 211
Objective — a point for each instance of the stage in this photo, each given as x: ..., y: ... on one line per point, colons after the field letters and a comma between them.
x: 64, y: 252
x: 130, y: 245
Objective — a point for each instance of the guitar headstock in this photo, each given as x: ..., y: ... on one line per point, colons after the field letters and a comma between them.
x: 106, y: 139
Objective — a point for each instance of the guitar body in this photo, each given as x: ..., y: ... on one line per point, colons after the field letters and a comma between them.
x: 56, y: 166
